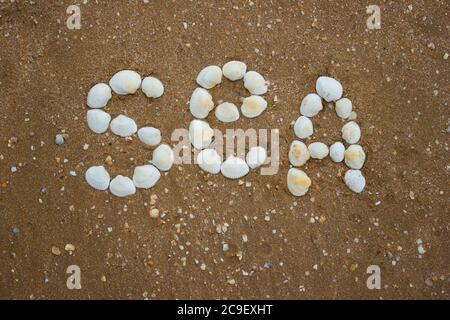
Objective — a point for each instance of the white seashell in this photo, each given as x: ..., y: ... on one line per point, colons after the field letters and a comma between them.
x: 201, y: 103
x: 337, y: 150
x: 227, y: 112
x: 145, y: 176
x: 311, y: 105
x: 122, y: 186
x: 97, y: 177
x: 256, y: 157
x: 200, y: 134
x: 234, y: 168
x: 303, y: 127
x: 152, y: 87
x: 123, y: 126
x: 298, y: 153
x: 355, y: 156
x: 163, y: 157
x: 209, y: 160
x: 351, y: 132
x: 298, y: 182
x: 125, y: 82
x: 150, y: 136
x: 209, y: 77
x: 344, y: 108
x: 98, y: 120
x: 255, y: 83
x: 99, y: 96
x: 253, y: 106
x: 355, y: 181
x: 234, y: 70
x: 328, y: 88
x: 318, y: 150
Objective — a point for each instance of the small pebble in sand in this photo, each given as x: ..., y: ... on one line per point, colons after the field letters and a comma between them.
x: 56, y: 251
x: 59, y: 139
x: 154, y: 213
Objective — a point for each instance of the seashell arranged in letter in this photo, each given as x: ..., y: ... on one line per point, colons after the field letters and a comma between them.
x: 201, y: 103
x: 355, y: 156
x: 337, y: 150
x: 256, y: 157
x: 123, y: 126
x: 125, y: 82
x: 97, y: 177
x: 145, y: 176
x: 150, y: 136
x: 209, y: 160
x: 351, y: 132
x: 163, y: 157
x: 99, y: 96
x: 298, y: 153
x: 234, y: 168
x: 98, y: 120
x: 152, y: 87
x: 253, y: 106
x: 303, y: 127
x: 227, y: 112
x: 344, y: 108
x: 122, y: 186
x: 355, y: 181
x: 234, y: 70
x: 328, y: 88
x: 255, y: 83
x: 311, y: 105
x: 200, y: 134
x: 209, y: 77
x: 318, y: 150
x: 298, y: 182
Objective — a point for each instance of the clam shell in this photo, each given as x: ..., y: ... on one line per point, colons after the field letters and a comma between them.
x: 255, y: 83
x: 227, y: 112
x: 318, y: 150
x: 337, y: 150
x: 209, y: 77
x: 234, y: 70
x: 355, y: 181
x: 298, y: 182
x: 97, y: 177
x: 123, y: 126
x: 234, y: 168
x: 298, y: 153
x: 200, y: 134
x: 209, y: 160
x: 99, y: 96
x: 163, y: 157
x: 146, y: 176
x: 311, y: 105
x: 98, y: 120
x: 355, y: 156
x: 351, y: 132
x: 201, y: 103
x: 150, y: 136
x: 122, y: 186
x: 303, y: 127
x: 125, y: 82
x: 256, y: 157
x: 328, y: 88
x: 152, y: 87
x: 344, y: 108
x: 253, y: 106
